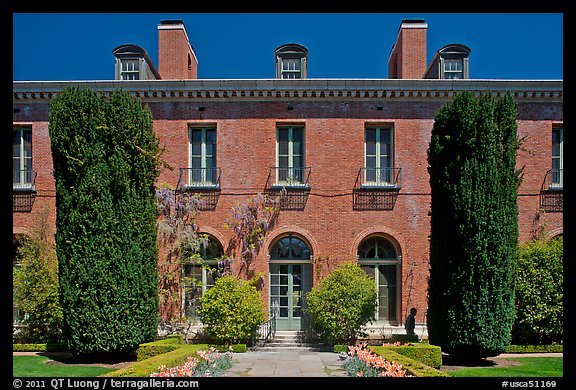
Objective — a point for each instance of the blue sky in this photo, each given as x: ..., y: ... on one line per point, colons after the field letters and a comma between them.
x: 78, y: 46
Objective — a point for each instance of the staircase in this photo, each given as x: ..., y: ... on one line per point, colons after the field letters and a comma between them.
x: 289, y: 340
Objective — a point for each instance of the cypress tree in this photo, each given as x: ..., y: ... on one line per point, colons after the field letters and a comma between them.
x: 105, y: 157
x: 474, y: 225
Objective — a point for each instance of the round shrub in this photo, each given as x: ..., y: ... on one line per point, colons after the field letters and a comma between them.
x: 342, y: 304
x: 231, y: 311
x: 539, y: 293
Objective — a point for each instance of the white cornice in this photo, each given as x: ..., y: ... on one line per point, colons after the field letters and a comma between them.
x: 308, y: 89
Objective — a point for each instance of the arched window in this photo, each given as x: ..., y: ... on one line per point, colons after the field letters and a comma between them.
x: 290, y: 248
x: 198, y: 278
x: 377, y: 256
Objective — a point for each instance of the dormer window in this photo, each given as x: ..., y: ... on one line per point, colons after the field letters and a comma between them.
x: 291, y: 61
x: 133, y: 63
x: 450, y: 62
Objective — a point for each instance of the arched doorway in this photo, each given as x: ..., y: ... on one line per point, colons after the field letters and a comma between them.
x: 378, y: 257
x: 290, y: 279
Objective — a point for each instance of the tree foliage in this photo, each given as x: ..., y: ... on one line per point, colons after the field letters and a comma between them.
x: 539, y: 293
x: 342, y: 304
x: 474, y: 225
x: 106, y: 161
x: 36, y: 284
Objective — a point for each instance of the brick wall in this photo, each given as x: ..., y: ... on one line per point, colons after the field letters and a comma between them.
x: 334, y: 139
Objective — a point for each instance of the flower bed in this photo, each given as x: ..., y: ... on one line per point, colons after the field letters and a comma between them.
x: 364, y: 362
x: 208, y: 364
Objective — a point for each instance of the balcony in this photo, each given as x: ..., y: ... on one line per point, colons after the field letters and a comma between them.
x: 288, y: 188
x: 23, y: 190
x: 376, y: 188
x: 203, y: 182
x: 551, y: 192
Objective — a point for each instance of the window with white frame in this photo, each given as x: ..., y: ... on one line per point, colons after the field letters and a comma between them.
x: 130, y: 69
x: 557, y: 158
x: 453, y: 68
x: 22, y: 157
x: 203, y: 170
x: 290, y: 168
x: 291, y: 68
x: 378, y: 159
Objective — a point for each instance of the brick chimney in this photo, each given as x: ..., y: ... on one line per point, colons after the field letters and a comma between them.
x: 176, y: 57
x: 408, y: 56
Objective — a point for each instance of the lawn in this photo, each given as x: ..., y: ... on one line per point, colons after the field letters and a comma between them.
x: 528, y: 367
x: 35, y: 366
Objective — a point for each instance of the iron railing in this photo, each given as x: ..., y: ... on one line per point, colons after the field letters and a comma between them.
x: 379, y: 178
x: 267, y: 330
x: 289, y: 177
x: 24, y: 180
x: 199, y: 178
x: 553, y: 180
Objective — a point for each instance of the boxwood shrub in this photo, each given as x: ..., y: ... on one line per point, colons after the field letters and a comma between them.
x: 431, y: 355
x: 412, y: 366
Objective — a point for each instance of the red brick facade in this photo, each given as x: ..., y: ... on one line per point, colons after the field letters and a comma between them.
x: 334, y: 115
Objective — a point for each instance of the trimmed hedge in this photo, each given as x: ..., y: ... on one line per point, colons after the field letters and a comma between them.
x: 535, y: 348
x: 431, y: 355
x: 412, y: 366
x: 159, y: 347
x: 39, y: 348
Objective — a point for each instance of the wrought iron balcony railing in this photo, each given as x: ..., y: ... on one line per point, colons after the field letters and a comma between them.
x: 554, y: 180
x: 379, y: 178
x: 24, y: 180
x: 199, y: 178
x: 289, y: 177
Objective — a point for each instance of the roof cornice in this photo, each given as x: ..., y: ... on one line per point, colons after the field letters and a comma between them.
x: 308, y: 89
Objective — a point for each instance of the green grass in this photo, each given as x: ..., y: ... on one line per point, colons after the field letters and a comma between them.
x: 529, y: 367
x: 35, y: 366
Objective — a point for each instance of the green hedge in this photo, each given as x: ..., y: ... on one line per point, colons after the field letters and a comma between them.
x: 412, y: 366
x: 39, y: 348
x: 535, y: 348
x: 159, y: 347
x: 431, y: 355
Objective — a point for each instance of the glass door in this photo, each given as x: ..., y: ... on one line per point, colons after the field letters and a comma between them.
x: 288, y: 285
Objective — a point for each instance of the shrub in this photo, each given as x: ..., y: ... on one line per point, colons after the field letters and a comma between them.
x: 539, y: 293
x: 36, y: 284
x: 430, y: 355
x: 412, y: 366
x: 342, y: 304
x: 106, y: 161
x: 231, y: 311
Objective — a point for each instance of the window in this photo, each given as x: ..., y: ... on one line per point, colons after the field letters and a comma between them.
x: 198, y: 278
x: 22, y: 158
x: 557, y: 158
x: 377, y: 257
x: 291, y: 68
x: 290, y: 248
x: 453, y: 68
x: 290, y: 151
x: 378, y: 157
x: 203, y: 171
x: 130, y: 69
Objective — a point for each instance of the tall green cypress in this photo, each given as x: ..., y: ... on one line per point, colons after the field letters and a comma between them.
x: 474, y: 225
x: 105, y: 157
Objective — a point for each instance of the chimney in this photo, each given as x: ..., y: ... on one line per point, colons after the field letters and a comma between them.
x: 176, y: 57
x: 408, y: 56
